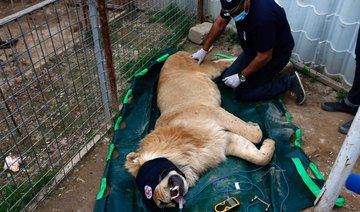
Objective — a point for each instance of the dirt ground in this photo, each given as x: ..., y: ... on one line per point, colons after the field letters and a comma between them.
x: 321, y: 141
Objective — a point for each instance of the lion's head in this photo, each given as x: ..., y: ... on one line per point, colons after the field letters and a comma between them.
x: 159, y: 181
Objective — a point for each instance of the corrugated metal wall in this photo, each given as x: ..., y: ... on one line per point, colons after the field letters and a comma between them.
x: 325, y: 33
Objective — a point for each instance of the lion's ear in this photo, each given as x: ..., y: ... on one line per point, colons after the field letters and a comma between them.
x: 132, y: 163
x: 132, y: 156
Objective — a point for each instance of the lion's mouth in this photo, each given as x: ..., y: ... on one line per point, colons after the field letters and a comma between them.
x: 176, y: 186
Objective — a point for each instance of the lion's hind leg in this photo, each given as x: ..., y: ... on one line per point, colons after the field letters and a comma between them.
x: 232, y: 123
x: 240, y: 147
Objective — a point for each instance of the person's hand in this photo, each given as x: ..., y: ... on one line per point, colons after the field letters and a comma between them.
x: 199, y: 55
x: 232, y: 81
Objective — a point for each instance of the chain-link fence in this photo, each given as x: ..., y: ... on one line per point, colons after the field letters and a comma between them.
x: 140, y: 30
x: 51, y: 103
x: 54, y: 91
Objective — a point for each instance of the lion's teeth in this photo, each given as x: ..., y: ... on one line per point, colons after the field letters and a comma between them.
x: 174, y: 197
x: 174, y: 188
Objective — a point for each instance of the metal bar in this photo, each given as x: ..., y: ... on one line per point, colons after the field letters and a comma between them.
x: 99, y: 57
x: 24, y: 12
x: 201, y: 10
x: 108, y: 53
x: 81, y: 37
x: 85, y: 13
x: 345, y: 161
x: 10, y: 113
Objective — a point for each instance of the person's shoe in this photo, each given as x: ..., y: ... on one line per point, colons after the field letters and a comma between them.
x: 297, y: 88
x: 344, y: 128
x: 339, y: 106
x: 288, y: 69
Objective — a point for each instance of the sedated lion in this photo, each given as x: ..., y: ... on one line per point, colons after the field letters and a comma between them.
x: 192, y: 134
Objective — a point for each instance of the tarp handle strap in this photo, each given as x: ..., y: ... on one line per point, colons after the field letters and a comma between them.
x: 125, y: 101
x: 103, y: 180
x: 224, y: 56
x: 117, y: 124
x: 297, y: 141
x: 162, y: 58
x: 316, y: 171
x: 314, y: 188
x: 111, y: 150
x: 102, y: 188
x: 141, y: 73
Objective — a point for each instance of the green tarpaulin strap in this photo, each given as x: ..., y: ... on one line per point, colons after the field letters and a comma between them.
x: 316, y: 171
x: 111, y: 150
x: 126, y: 98
x: 287, y: 116
x: 305, y: 177
x: 286, y: 113
x: 314, y: 188
x: 125, y: 101
x: 298, y: 138
x: 103, y: 180
x: 117, y: 124
x: 163, y: 58
x: 281, y: 101
x: 102, y: 189
x: 224, y: 56
x: 141, y: 73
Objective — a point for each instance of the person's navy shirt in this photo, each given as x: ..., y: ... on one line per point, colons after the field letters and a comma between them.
x: 264, y: 28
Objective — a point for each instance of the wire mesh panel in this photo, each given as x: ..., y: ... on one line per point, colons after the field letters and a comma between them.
x: 140, y: 30
x: 53, y: 92
x: 51, y: 104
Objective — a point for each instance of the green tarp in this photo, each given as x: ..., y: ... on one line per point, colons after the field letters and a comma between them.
x: 283, y: 183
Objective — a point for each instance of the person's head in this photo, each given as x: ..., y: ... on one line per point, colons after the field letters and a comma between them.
x: 233, y: 8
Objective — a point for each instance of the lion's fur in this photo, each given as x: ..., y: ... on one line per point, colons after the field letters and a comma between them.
x: 193, y: 131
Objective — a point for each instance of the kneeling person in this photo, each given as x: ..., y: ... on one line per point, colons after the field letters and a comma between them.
x: 266, y: 40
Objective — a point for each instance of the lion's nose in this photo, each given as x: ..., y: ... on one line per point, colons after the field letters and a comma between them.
x: 174, y: 180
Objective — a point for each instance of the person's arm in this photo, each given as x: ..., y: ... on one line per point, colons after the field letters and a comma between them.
x: 261, y: 59
x: 216, y: 29
x: 257, y: 63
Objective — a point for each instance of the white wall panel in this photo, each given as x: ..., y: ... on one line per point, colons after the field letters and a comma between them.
x: 328, y: 30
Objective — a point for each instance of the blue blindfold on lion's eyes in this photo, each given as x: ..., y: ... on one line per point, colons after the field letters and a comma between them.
x: 150, y: 175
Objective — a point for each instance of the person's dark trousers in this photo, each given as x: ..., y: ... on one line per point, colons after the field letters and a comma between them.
x: 261, y: 85
x: 354, y: 93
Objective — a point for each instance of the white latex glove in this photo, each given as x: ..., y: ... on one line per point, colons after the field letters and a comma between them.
x: 232, y: 81
x: 199, y: 55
